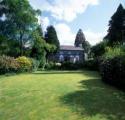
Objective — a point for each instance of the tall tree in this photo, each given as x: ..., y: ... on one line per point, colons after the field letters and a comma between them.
x: 116, y: 27
x: 51, y: 37
x: 80, y: 38
x: 38, y: 49
x: 7, y: 47
x: 80, y: 41
x: 21, y: 20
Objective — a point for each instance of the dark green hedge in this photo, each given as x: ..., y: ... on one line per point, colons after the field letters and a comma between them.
x: 92, y: 64
x: 113, y: 71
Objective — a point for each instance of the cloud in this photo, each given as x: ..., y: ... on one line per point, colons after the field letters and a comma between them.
x: 66, y: 10
x: 94, y: 37
x: 45, y: 23
x: 67, y: 37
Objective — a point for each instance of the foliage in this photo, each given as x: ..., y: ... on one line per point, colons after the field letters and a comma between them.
x: 8, y: 64
x: 71, y: 66
x: 50, y: 48
x: 51, y: 37
x: 38, y: 48
x: 53, y: 66
x: 112, y: 67
x: 113, y: 71
x: 20, y: 64
x: 9, y: 47
x: 80, y: 41
x: 92, y: 64
x: 80, y: 38
x: 116, y: 26
x: 35, y: 64
x: 111, y: 52
x: 21, y: 20
x: 25, y: 64
x: 86, y: 46
x: 4, y: 47
x: 99, y: 49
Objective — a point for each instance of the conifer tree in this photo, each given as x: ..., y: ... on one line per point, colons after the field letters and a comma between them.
x: 80, y: 41
x: 51, y: 37
x: 116, y: 26
x: 80, y: 38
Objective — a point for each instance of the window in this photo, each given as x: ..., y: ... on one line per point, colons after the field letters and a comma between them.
x: 77, y: 58
x: 69, y: 53
x: 61, y: 58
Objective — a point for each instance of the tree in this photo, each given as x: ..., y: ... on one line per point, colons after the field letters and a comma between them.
x: 116, y: 28
x: 87, y: 46
x: 99, y: 49
x: 38, y: 49
x: 21, y: 20
x: 51, y: 37
x: 80, y: 38
x: 80, y: 41
x: 7, y: 47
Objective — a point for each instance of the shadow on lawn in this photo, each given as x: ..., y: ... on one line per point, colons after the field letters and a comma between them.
x: 96, y: 98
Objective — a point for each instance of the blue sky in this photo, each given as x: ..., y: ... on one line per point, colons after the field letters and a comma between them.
x: 68, y: 16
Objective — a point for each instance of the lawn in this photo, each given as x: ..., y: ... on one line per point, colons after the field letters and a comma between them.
x: 63, y: 95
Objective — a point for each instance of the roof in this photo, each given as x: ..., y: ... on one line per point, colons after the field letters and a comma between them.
x: 69, y: 47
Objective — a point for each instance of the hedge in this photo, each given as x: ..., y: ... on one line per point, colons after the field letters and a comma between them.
x: 113, y: 71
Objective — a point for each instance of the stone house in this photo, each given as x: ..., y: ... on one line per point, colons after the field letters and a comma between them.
x: 70, y: 54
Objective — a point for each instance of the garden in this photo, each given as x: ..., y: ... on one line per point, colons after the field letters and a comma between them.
x: 35, y: 85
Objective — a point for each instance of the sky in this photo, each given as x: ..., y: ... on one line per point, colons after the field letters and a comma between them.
x: 68, y: 16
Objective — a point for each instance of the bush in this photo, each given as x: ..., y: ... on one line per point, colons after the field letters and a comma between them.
x: 112, y: 68
x: 25, y: 64
x: 99, y: 49
x: 111, y: 52
x: 35, y: 64
x: 71, y: 66
x: 113, y: 71
x: 92, y: 64
x: 8, y: 64
x: 53, y: 66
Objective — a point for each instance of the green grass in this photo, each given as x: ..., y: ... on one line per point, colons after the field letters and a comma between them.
x: 59, y: 96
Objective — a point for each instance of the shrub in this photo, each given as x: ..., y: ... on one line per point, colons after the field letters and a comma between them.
x: 8, y: 64
x: 112, y: 67
x: 25, y: 64
x: 115, y: 51
x: 35, y: 64
x: 113, y: 71
x: 53, y: 66
x: 99, y: 49
x: 71, y: 66
x: 92, y: 64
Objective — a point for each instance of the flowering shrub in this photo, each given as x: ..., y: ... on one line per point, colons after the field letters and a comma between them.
x: 25, y: 63
x: 8, y: 64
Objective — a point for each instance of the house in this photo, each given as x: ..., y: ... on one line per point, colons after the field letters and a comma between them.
x: 74, y: 54
x: 70, y: 54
